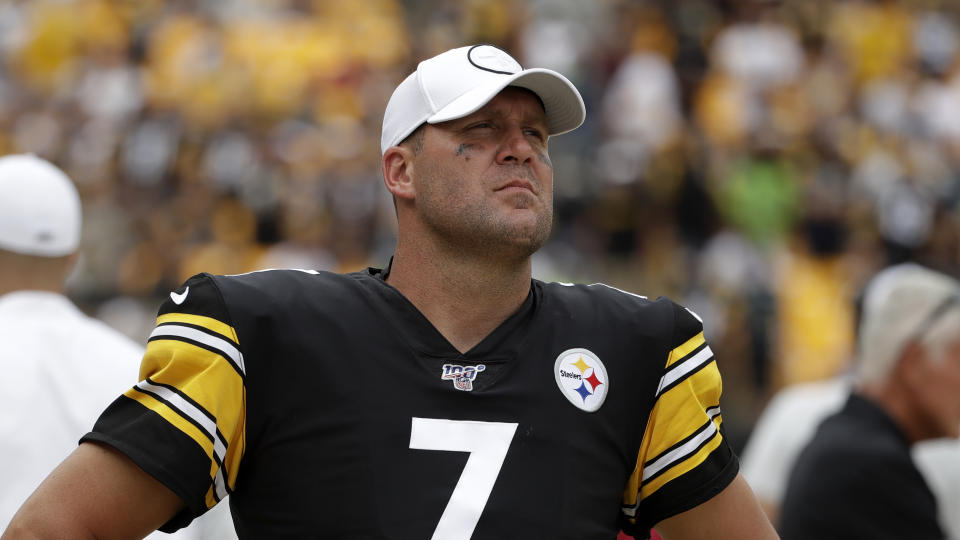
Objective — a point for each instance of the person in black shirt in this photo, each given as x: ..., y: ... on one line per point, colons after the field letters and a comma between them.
x: 448, y: 396
x: 856, y: 478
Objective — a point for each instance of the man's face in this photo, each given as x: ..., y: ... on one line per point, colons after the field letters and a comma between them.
x: 941, y: 397
x: 484, y: 182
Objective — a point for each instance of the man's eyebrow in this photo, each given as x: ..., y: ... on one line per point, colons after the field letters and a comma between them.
x: 500, y: 113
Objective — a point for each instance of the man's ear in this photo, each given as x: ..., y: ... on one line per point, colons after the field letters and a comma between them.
x: 398, y: 172
x: 910, y: 366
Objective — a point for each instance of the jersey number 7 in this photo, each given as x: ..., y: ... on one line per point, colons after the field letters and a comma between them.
x: 487, y: 443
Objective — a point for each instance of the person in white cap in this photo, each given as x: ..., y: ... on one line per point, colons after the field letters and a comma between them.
x: 789, y: 421
x: 856, y: 478
x: 448, y: 396
x: 59, y: 367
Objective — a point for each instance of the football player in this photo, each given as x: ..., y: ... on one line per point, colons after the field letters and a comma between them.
x: 446, y: 396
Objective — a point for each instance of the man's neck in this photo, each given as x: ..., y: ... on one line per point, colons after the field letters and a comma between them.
x: 465, y: 298
x: 11, y: 281
x: 891, y: 397
x: 20, y: 272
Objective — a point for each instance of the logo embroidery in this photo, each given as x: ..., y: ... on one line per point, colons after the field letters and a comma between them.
x: 179, y: 298
x: 582, y: 378
x: 490, y: 58
x: 462, y: 376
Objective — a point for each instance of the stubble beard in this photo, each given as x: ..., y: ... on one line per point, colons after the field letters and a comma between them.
x: 478, y: 228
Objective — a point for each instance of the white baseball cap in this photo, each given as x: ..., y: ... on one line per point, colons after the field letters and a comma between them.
x: 39, y: 208
x: 899, y: 304
x: 460, y: 81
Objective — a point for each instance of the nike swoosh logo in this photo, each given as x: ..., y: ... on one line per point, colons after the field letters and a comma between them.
x: 179, y: 298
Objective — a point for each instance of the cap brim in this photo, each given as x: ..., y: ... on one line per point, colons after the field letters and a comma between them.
x: 561, y: 100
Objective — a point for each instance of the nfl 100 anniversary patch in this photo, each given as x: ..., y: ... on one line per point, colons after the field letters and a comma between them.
x: 462, y: 376
x: 582, y: 378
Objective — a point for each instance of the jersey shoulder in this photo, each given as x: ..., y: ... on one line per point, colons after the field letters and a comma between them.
x: 256, y: 292
x: 651, y: 317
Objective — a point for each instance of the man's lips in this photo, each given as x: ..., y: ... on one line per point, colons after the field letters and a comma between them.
x: 517, y: 184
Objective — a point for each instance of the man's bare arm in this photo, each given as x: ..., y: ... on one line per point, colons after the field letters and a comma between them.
x: 733, y: 514
x: 96, y: 493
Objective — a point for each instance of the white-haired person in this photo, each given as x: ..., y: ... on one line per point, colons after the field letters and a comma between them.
x: 791, y: 418
x: 58, y: 367
x: 856, y: 478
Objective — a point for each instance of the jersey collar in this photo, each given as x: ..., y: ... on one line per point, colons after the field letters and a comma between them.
x: 414, y: 328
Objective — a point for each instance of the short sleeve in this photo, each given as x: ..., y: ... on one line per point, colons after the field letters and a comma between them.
x: 183, y: 423
x: 684, y: 459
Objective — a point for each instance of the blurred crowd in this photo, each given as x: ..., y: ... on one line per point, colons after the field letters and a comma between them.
x: 756, y: 160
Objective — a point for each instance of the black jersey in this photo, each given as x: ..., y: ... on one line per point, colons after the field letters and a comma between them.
x: 327, y: 406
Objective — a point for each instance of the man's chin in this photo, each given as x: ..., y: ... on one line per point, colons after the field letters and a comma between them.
x: 525, y: 247
x: 515, y: 245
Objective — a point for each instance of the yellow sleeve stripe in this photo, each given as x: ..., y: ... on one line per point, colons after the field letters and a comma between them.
x: 212, y: 341
x: 685, y: 466
x: 682, y: 351
x: 169, y: 404
x: 631, y: 494
x: 199, y: 389
x: 674, y: 464
x: 151, y: 402
x: 680, y: 415
x: 688, y: 367
x: 201, y: 437
x: 684, y: 448
x: 682, y: 410
x: 209, y: 323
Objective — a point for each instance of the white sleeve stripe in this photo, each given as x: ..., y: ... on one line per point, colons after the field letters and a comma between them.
x: 681, y: 452
x: 672, y: 458
x: 220, y: 485
x: 707, y: 432
x: 223, y: 346
x: 680, y: 371
x: 192, y: 413
x: 713, y: 412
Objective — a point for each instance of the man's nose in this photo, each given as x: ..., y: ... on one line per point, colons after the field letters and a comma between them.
x: 515, y: 147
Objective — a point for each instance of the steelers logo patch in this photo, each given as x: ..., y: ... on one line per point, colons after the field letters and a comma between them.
x: 582, y: 378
